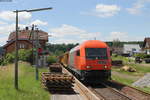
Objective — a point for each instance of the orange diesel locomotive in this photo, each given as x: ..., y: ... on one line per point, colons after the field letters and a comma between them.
x: 89, y: 61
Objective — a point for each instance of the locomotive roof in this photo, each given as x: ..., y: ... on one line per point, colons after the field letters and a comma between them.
x: 90, y: 44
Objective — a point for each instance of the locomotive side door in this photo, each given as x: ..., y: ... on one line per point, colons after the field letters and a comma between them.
x: 77, y: 59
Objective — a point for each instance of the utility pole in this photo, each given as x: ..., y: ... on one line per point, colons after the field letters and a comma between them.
x: 33, y: 38
x: 16, y: 41
x: 16, y: 53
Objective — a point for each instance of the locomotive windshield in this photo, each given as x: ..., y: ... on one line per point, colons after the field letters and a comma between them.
x: 96, y: 53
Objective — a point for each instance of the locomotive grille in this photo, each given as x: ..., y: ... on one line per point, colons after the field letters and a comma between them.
x: 102, y: 62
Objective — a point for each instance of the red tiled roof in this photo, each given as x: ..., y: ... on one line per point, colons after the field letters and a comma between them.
x: 25, y: 34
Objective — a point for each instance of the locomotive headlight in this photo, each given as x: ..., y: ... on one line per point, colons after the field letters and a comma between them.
x: 88, y: 66
x: 105, y: 66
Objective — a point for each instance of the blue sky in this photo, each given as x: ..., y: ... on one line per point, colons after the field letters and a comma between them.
x: 73, y: 21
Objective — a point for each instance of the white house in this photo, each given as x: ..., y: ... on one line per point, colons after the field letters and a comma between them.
x: 131, y: 49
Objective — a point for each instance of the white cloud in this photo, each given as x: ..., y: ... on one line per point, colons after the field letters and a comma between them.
x: 106, y: 10
x: 39, y: 22
x: 70, y: 34
x: 66, y: 30
x: 66, y: 41
x: 122, y: 36
x: 102, y: 10
x: 6, y: 29
x: 137, y: 6
x: 3, y: 40
x: 11, y: 16
x: 2, y: 23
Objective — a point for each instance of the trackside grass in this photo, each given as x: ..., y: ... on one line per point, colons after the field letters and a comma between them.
x: 29, y: 88
x: 140, y: 72
x: 129, y: 82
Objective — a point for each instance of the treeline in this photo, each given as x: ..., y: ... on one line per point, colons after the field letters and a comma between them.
x: 58, y: 49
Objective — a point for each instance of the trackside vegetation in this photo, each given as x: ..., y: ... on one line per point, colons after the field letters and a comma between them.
x: 130, y: 77
x: 24, y: 55
x: 29, y: 88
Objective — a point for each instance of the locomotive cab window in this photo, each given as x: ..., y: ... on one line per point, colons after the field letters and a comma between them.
x: 96, y: 53
x: 78, y: 53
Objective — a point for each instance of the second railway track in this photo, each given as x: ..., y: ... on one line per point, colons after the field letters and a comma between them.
x: 105, y: 92
x: 133, y: 93
x: 113, y: 90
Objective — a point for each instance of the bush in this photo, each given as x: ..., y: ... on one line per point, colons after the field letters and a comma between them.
x: 25, y: 55
x: 1, y: 61
x: 51, y: 59
x: 9, y: 58
x: 142, y: 55
x: 147, y: 56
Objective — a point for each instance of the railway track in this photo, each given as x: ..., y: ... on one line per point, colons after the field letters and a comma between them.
x: 112, y: 90
x: 64, y: 86
x: 62, y: 80
x: 104, y: 92
x: 129, y: 91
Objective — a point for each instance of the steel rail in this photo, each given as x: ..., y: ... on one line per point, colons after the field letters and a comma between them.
x: 118, y: 92
x: 134, y: 93
x: 83, y: 89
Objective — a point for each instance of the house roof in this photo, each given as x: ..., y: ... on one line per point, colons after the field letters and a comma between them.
x: 146, y: 43
x: 25, y: 34
x: 130, y: 47
x: 10, y: 42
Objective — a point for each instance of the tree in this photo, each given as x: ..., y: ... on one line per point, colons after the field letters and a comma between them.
x: 117, y: 43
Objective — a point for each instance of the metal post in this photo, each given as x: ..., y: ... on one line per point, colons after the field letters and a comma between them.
x: 16, y: 53
x: 37, y: 57
x: 32, y: 34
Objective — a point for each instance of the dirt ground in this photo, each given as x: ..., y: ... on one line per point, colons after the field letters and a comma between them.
x: 145, y: 65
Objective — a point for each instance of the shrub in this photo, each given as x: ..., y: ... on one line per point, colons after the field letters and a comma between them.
x: 51, y: 59
x: 25, y: 55
x: 1, y: 61
x: 9, y: 58
x: 142, y: 55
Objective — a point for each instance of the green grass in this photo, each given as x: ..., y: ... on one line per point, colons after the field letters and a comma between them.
x: 140, y: 71
x: 126, y: 80
x: 124, y: 59
x: 145, y: 89
x: 29, y: 88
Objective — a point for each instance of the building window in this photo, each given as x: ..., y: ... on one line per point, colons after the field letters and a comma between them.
x: 21, y: 46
